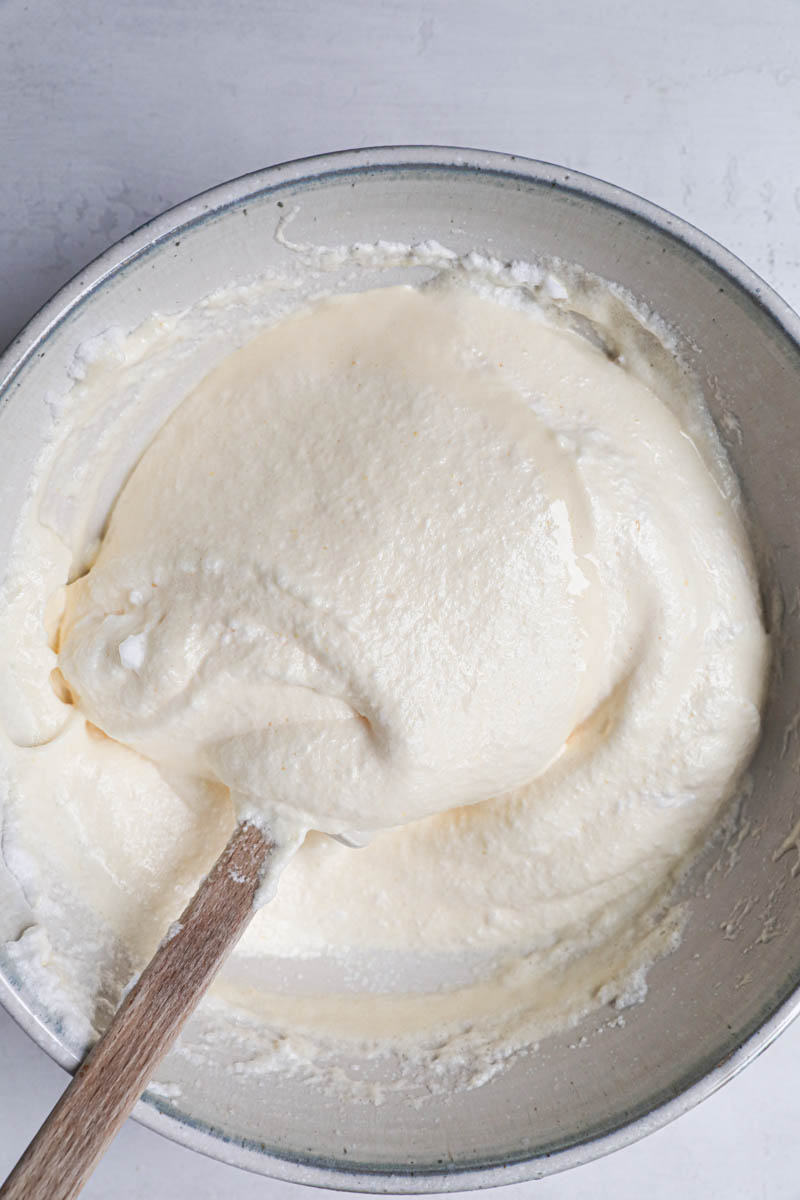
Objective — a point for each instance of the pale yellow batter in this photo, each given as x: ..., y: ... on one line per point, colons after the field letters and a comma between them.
x: 411, y: 558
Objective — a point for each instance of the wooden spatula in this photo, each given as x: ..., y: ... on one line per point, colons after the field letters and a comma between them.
x: 110, y: 1080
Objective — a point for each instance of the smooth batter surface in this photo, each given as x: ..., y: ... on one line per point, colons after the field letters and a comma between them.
x: 406, y: 552
x: 371, y: 594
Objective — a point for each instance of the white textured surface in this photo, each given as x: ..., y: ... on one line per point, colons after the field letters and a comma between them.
x: 110, y: 113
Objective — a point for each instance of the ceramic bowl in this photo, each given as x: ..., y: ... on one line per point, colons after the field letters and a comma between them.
x: 733, y: 983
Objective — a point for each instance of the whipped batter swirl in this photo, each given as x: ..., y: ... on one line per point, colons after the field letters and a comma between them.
x: 416, y: 562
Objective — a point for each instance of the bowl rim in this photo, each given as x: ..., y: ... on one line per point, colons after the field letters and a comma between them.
x: 215, y: 200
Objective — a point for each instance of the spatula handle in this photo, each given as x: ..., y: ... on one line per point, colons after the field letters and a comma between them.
x: 110, y: 1080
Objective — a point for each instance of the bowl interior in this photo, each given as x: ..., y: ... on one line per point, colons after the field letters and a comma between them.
x: 738, y: 961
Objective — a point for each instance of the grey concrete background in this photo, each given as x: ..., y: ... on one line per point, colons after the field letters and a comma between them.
x: 112, y: 111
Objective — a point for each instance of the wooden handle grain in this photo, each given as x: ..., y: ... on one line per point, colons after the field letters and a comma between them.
x: 110, y: 1080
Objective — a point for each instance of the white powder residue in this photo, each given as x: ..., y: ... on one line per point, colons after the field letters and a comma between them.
x: 132, y: 650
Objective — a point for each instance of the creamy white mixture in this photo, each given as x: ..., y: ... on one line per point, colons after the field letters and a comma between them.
x: 375, y: 591
x: 418, y: 563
